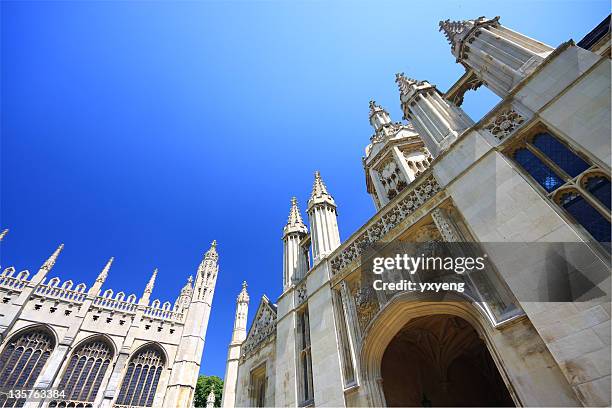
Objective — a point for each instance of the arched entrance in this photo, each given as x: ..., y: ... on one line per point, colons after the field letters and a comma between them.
x: 439, y: 360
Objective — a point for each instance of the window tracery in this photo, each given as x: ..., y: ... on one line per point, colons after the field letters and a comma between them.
x: 579, y: 187
x: 83, y: 376
x: 22, y: 361
x: 141, y: 378
x: 391, y: 178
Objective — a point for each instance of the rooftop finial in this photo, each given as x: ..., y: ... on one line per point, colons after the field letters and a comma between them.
x: 295, y: 218
x: 243, y: 296
x: 52, y: 259
x: 3, y: 234
x: 319, y: 192
x: 452, y: 28
x: 212, y: 251
x: 295, y: 222
x: 404, y: 83
x: 151, y: 283
x: 104, y: 274
x: 375, y: 107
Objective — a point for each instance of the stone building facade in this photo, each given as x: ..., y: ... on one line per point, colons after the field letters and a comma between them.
x: 103, y: 349
x: 532, y: 171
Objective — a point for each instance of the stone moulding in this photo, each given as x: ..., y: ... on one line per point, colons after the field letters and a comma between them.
x: 262, y: 329
x: 411, y: 199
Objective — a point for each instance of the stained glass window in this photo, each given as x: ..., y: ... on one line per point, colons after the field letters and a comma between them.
x: 600, y: 187
x: 560, y: 154
x: 22, y: 361
x: 586, y: 215
x: 543, y: 174
x: 141, y: 378
x: 83, y: 376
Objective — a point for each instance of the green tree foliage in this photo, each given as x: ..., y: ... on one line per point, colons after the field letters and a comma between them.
x: 205, y: 383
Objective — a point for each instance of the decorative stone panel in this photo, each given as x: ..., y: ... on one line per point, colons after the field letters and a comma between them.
x: 505, y: 123
x: 417, y: 196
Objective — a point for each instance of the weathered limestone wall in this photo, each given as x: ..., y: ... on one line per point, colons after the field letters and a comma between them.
x: 327, y: 375
x: 265, y: 355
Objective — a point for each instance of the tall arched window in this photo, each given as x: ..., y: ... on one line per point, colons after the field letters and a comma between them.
x: 21, y: 362
x: 83, y: 376
x: 141, y: 378
x: 579, y: 187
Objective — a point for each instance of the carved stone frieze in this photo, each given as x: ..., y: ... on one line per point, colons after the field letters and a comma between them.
x: 263, y: 328
x: 388, y: 220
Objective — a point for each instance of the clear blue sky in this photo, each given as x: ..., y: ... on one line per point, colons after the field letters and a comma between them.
x: 146, y: 130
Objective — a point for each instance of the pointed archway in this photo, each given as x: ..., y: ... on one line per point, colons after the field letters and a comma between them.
x: 439, y: 360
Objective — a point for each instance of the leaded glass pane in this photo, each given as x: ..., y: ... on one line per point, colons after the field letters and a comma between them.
x: 82, y: 378
x: 23, y: 358
x: 560, y: 154
x: 600, y: 187
x: 543, y: 174
x: 587, y: 216
x: 140, y: 382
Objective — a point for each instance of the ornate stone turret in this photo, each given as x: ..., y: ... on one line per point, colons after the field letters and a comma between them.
x: 322, y: 216
x: 378, y: 116
x: 233, y: 355
x: 437, y: 121
x: 186, y: 365
x: 94, y: 290
x: 207, y: 274
x: 185, y: 297
x: 500, y: 57
x: 144, y: 300
x: 294, y: 231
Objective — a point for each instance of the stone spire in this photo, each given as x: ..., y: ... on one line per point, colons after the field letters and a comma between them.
x: 453, y: 28
x: 406, y: 85
x: 295, y: 222
x: 437, y: 121
x: 500, y: 57
x: 95, y: 288
x: 212, y: 252
x: 52, y: 259
x: 3, y: 234
x: 319, y: 192
x: 144, y: 300
x: 210, y: 400
x: 151, y: 283
x: 104, y: 274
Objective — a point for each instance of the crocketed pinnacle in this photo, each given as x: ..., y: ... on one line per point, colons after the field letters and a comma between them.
x: 104, y: 274
x: 452, y: 28
x: 212, y: 252
x: 404, y: 83
x: 52, y: 259
x: 374, y: 108
x: 295, y: 222
x: 243, y: 296
x: 151, y: 283
x: 3, y: 234
x: 187, y: 288
x: 319, y: 192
